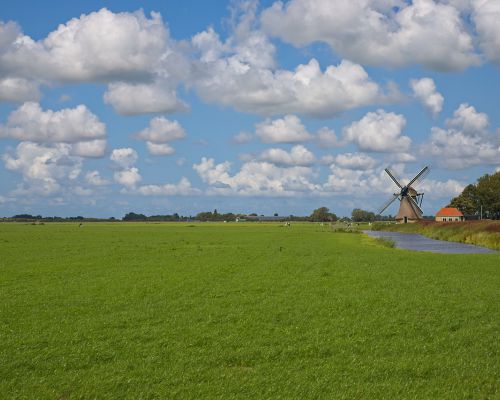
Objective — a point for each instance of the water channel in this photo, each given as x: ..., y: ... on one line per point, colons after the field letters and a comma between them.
x: 413, y: 241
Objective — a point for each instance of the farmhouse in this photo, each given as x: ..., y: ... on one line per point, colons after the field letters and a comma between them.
x: 449, y: 214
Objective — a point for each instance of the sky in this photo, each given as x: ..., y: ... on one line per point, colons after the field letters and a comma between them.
x: 162, y: 107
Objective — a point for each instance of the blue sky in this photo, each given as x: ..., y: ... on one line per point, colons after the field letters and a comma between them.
x: 244, y: 106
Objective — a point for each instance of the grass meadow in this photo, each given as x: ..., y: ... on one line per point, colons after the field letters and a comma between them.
x: 250, y: 311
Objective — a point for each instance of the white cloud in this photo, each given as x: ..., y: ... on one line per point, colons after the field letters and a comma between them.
x: 379, y: 131
x: 241, y: 73
x: 298, y: 155
x: 357, y: 161
x: 129, y: 177
x: 92, y: 148
x: 255, y: 179
x: 100, y: 46
x: 162, y: 130
x: 486, y: 15
x: 159, y: 132
x: 393, y: 33
x: 326, y: 137
x: 29, y: 122
x: 183, y: 188
x: 242, y: 137
x: 347, y: 182
x: 466, y: 141
x: 288, y: 129
x: 124, y: 157
x: 18, y: 90
x: 160, y: 149
x: 438, y: 189
x: 133, y: 99
x: 455, y: 149
x: 425, y: 91
x: 94, y: 178
x: 468, y: 120
x: 44, y: 168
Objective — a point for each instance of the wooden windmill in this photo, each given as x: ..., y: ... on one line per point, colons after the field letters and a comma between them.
x: 410, y: 201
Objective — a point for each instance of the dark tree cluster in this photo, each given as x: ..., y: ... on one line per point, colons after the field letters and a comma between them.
x: 359, y: 215
x: 322, y: 214
x: 485, y: 194
x: 131, y: 216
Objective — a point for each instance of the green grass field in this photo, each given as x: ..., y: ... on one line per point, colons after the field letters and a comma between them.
x: 257, y: 311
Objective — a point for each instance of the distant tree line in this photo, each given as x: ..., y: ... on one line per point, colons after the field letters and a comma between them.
x: 484, y: 194
x: 321, y: 214
x: 79, y: 218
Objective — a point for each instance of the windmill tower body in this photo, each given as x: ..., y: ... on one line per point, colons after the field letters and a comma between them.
x: 409, y: 199
x: 408, y: 212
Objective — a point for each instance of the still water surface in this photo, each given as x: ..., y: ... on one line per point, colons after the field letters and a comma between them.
x: 413, y: 241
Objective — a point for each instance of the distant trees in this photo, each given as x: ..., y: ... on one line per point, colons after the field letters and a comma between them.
x: 215, y: 216
x: 322, y: 214
x: 485, y: 193
x: 131, y: 216
x: 359, y: 215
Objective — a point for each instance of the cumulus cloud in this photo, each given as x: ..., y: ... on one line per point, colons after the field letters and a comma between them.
x: 298, y: 155
x: 124, y: 157
x: 456, y: 150
x: 129, y: 177
x: 468, y: 120
x: 288, y: 129
x: 29, y: 122
x: 162, y: 130
x: 242, y: 137
x: 466, y: 141
x: 159, y: 132
x: 133, y: 99
x: 100, y: 46
x: 90, y: 149
x: 94, y: 178
x: 255, y: 179
x: 241, y: 73
x: 349, y: 182
x: 183, y: 188
x: 326, y: 137
x: 424, y: 90
x: 43, y: 168
x: 486, y: 15
x: 356, y: 161
x: 306, y: 90
x: 379, y: 131
x: 160, y: 149
x: 18, y: 90
x: 393, y: 33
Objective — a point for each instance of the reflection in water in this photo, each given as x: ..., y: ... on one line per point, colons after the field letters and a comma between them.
x: 412, y: 241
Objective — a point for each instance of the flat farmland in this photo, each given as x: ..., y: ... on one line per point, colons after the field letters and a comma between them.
x: 201, y: 311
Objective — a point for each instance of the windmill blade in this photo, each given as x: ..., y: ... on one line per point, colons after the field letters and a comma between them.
x: 414, y: 203
x: 392, y: 177
x: 388, y: 203
x: 421, y: 175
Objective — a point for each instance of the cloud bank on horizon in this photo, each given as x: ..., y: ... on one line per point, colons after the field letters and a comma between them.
x: 287, y: 106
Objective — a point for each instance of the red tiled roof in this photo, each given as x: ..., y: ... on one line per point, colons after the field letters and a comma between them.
x: 449, y: 212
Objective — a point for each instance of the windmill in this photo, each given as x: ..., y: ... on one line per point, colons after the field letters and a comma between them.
x: 410, y: 200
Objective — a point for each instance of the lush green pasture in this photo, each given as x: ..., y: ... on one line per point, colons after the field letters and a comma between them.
x: 159, y: 311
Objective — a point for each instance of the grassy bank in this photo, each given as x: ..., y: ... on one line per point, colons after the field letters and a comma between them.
x: 240, y: 311
x: 481, y: 233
